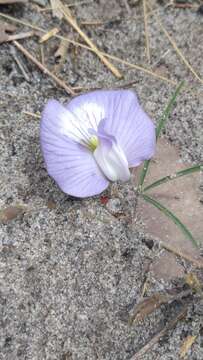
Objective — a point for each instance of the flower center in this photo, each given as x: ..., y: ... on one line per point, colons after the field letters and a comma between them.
x: 110, y: 157
x: 93, y: 143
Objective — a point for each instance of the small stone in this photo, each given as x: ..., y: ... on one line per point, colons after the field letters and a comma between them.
x: 200, y: 9
x: 114, y: 206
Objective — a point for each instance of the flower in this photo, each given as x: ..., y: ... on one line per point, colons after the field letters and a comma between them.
x: 95, y: 139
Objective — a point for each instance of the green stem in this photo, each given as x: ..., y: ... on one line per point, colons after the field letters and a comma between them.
x: 174, y: 176
x: 160, y: 126
x: 171, y: 216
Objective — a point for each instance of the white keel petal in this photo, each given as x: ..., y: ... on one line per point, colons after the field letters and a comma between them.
x: 112, y: 160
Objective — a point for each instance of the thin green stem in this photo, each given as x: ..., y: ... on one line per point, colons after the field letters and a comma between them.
x: 171, y: 216
x: 160, y: 126
x: 188, y: 171
x: 167, y: 111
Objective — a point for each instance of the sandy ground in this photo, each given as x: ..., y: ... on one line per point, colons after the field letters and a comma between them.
x: 71, y: 271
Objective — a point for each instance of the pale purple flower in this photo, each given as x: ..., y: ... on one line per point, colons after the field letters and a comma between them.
x: 95, y: 139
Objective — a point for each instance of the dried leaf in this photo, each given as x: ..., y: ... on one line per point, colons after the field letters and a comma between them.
x: 181, y: 196
x: 51, y: 204
x: 188, y: 342
x: 166, y: 267
x: 148, y: 305
x: 11, y: 212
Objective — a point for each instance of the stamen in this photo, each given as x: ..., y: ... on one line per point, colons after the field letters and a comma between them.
x: 93, y: 143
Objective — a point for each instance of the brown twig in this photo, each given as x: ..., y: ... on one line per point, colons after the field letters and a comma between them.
x: 70, y: 19
x: 92, y: 23
x: 19, y: 36
x: 42, y: 54
x: 61, y: 83
x: 36, y: 116
x: 18, y: 62
x: 146, y: 31
x: 12, y: 1
x: 48, y: 35
x: 176, y: 48
x: 184, y: 6
x: 158, y: 336
x: 132, y: 66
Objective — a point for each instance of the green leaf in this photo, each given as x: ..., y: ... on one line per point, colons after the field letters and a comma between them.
x: 171, y: 216
x: 143, y: 174
x: 174, y: 176
x: 167, y: 111
x: 160, y: 126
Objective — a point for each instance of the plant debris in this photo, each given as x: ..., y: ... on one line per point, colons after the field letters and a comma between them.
x: 11, y: 213
x: 149, y: 305
x: 60, y: 82
x: 181, y: 315
x: 186, y: 346
x: 5, y: 29
x: 181, y: 196
x: 7, y: 2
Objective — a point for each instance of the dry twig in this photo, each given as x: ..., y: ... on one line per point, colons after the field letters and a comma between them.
x: 146, y: 31
x: 132, y: 66
x: 70, y: 19
x: 12, y: 1
x: 61, y: 83
x: 48, y: 35
x: 19, y: 63
x: 20, y: 36
x: 176, y: 48
x: 158, y: 336
x: 36, y: 116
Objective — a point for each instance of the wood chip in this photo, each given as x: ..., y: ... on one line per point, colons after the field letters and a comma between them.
x: 188, y: 342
